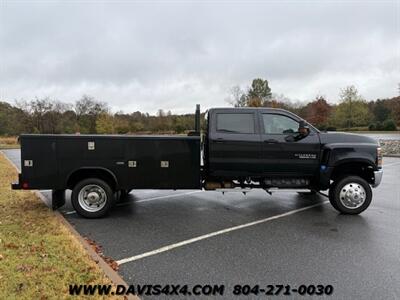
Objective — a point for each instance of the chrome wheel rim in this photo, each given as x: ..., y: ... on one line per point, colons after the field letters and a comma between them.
x: 92, y: 198
x: 352, y: 195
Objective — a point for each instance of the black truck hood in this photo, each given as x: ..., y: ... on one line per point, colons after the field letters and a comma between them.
x: 342, y: 137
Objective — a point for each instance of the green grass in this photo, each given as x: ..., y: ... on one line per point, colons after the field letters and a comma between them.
x: 39, y: 257
x: 3, y: 146
x: 8, y: 142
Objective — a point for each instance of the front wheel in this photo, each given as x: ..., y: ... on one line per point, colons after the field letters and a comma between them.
x: 350, y: 195
x: 92, y: 198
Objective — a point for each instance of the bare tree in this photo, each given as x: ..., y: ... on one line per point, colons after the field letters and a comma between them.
x: 237, y: 97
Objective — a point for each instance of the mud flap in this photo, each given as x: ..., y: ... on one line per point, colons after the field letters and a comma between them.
x: 57, y: 199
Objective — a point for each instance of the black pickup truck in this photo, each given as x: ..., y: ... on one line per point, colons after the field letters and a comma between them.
x: 241, y: 148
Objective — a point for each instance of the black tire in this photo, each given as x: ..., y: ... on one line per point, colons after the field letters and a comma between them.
x: 102, y: 188
x: 331, y: 195
x: 339, y: 203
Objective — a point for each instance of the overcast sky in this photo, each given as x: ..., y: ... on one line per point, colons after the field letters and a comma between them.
x: 142, y: 55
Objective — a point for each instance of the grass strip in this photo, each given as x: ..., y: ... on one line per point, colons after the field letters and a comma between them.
x: 9, y: 142
x: 39, y: 257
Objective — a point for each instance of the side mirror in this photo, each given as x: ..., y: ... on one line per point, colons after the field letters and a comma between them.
x: 304, y: 130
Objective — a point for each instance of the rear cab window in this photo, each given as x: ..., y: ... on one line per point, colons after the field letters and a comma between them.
x: 243, y: 123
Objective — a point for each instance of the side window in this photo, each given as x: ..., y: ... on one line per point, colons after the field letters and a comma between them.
x: 279, y: 124
x: 235, y: 123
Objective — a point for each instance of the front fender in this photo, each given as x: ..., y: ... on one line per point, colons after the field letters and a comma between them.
x: 336, y: 155
x: 343, y: 153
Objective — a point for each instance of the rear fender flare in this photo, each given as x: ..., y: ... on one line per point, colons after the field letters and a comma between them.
x: 87, y: 170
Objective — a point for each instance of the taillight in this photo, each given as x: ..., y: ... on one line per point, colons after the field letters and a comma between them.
x: 379, y: 157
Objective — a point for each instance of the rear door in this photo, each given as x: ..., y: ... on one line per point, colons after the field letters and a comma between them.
x: 287, y: 158
x: 234, y: 143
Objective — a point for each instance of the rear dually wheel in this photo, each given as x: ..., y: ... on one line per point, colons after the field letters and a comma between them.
x: 92, y: 198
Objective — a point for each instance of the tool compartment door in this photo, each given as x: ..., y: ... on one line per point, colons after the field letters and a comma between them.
x: 39, y: 166
x: 163, y: 163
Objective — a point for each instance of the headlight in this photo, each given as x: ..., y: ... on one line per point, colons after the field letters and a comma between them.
x: 379, y: 157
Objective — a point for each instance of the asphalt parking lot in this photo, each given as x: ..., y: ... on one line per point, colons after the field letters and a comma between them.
x: 197, y: 237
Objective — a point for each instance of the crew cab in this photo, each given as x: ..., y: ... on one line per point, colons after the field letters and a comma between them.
x: 241, y: 148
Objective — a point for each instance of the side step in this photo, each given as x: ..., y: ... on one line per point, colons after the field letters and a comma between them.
x: 287, y: 182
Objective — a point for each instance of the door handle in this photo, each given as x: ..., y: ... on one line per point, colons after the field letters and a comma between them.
x: 219, y: 141
x: 271, y: 141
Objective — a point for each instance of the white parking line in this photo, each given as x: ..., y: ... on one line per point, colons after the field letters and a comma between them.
x: 212, y: 234
x: 145, y: 200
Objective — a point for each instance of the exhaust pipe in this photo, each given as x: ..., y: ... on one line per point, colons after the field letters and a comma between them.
x: 197, y: 119
x: 196, y: 131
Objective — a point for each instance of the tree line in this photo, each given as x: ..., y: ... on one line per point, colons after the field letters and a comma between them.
x: 352, y: 112
x: 87, y: 115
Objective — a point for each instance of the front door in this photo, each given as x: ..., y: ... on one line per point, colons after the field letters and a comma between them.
x: 280, y: 156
